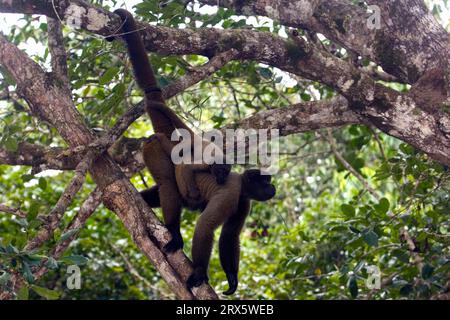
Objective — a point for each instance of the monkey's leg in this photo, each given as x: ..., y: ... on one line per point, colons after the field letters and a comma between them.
x: 163, y: 172
x: 151, y: 196
x: 215, y: 214
x: 171, y: 207
x: 229, y: 245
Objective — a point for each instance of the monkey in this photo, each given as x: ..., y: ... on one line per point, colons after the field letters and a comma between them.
x: 223, y: 197
x: 164, y: 122
x: 227, y: 205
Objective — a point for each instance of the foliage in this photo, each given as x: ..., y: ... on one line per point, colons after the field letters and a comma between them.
x: 314, y: 241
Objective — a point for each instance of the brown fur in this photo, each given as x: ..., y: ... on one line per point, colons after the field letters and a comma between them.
x: 223, y: 197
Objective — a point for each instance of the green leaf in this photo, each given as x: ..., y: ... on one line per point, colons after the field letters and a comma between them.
x: 27, y: 177
x: 11, y: 249
x: 68, y: 234
x: 354, y: 230
x: 401, y: 255
x: 348, y: 210
x: 42, y: 183
x: 45, y: 293
x: 352, y: 286
x: 51, y: 263
x: 11, y: 144
x: 33, y: 260
x: 371, y: 238
x: 407, y: 149
x: 406, y: 290
x: 108, y: 75
x: 4, y: 278
x: 23, y: 293
x: 26, y: 271
x: 427, y: 271
x: 305, y: 96
x: 383, y: 206
x: 33, y: 210
x: 75, y: 259
x: 265, y: 73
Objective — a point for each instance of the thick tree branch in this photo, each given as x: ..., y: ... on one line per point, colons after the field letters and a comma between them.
x: 394, y: 113
x: 39, y: 157
x: 58, y: 51
x: 51, y: 103
x: 302, y: 117
x: 404, y: 24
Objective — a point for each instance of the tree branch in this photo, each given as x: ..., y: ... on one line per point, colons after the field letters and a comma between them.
x: 49, y: 102
x: 392, y: 112
x: 54, y: 217
x: 58, y: 51
x: 14, y: 211
x: 404, y: 24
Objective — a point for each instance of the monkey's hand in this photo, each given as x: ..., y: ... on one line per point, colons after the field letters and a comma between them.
x: 197, y: 278
x: 232, y: 284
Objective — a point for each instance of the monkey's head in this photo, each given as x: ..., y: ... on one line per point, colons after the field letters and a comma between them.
x: 220, y: 172
x: 257, y: 186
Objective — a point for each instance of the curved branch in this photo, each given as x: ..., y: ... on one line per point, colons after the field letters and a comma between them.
x: 404, y: 24
x: 50, y: 102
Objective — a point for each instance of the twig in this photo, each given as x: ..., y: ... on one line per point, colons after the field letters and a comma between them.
x: 134, y: 272
x: 54, y: 217
x: 86, y: 210
x: 348, y: 166
x: 418, y: 261
x: 14, y: 211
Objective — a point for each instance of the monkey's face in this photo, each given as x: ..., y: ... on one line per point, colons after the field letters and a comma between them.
x: 220, y: 172
x: 257, y: 186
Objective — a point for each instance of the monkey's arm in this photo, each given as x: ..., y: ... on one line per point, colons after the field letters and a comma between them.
x: 229, y: 244
x: 219, y: 208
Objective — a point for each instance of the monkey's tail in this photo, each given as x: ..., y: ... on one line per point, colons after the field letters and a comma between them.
x: 138, y: 56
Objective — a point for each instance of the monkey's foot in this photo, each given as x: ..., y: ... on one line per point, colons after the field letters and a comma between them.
x: 173, y: 245
x: 232, y: 284
x: 197, y: 278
